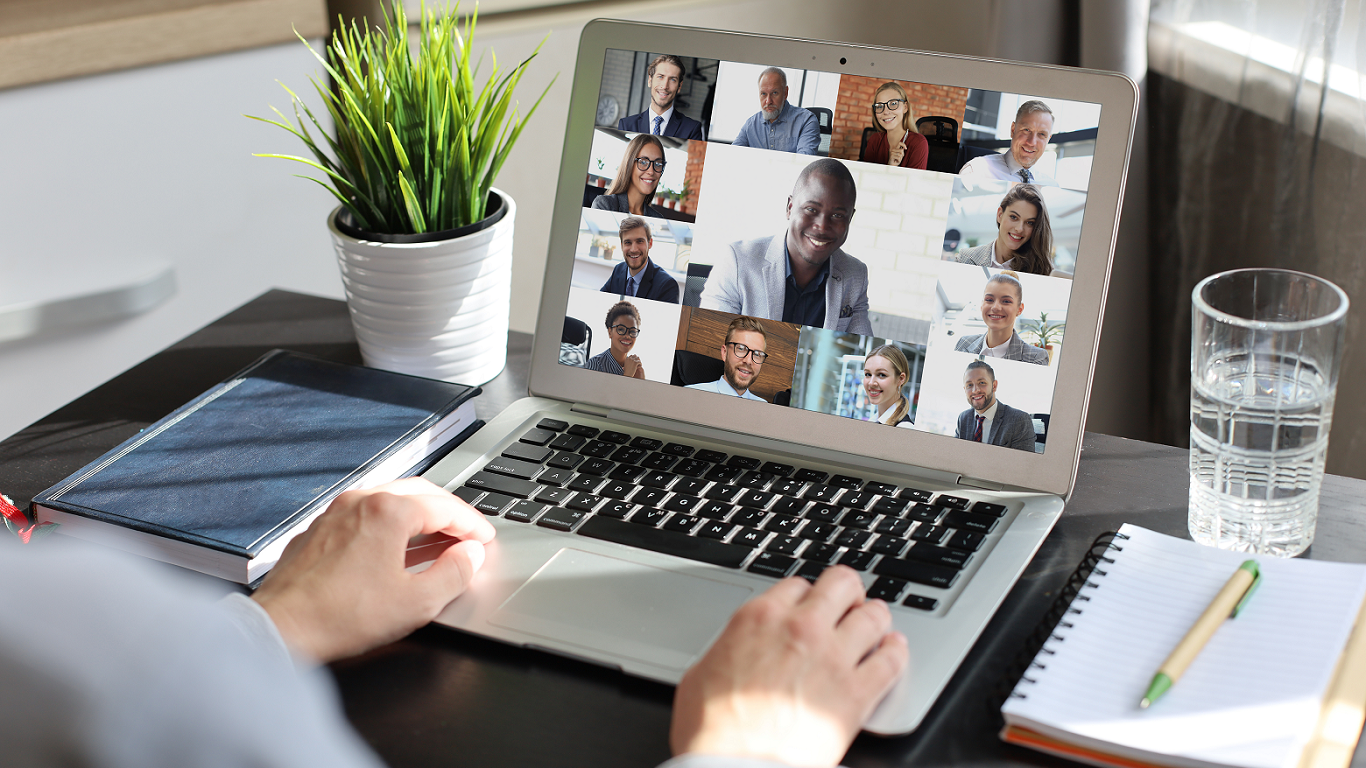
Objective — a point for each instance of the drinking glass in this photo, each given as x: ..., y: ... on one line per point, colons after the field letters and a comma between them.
x: 1266, y: 346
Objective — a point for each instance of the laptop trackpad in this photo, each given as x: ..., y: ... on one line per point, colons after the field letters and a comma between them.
x: 622, y: 609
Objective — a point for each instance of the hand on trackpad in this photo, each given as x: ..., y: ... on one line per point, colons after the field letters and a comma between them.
x: 621, y: 608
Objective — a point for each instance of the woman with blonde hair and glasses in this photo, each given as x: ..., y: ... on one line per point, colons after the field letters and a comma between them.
x: 896, y: 142
x: 885, y: 372
x: 1024, y: 238
x: 638, y: 176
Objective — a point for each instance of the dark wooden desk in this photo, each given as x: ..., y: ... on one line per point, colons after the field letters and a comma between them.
x: 440, y: 697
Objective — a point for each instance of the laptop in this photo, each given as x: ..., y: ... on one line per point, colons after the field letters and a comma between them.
x: 684, y: 446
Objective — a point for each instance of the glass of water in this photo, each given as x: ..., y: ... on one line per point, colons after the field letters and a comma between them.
x: 1266, y: 345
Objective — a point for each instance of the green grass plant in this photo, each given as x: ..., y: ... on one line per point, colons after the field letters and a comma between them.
x: 417, y: 145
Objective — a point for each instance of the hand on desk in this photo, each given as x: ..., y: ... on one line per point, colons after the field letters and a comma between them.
x: 793, y: 676
x: 340, y: 587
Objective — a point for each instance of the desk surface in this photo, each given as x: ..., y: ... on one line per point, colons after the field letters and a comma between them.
x: 440, y: 697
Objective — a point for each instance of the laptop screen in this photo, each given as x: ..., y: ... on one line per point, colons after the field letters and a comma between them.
x: 883, y: 250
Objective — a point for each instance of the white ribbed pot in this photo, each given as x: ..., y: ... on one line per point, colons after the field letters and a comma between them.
x: 432, y: 305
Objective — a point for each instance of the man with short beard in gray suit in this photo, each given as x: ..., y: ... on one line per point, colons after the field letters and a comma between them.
x: 801, y: 276
x: 989, y: 420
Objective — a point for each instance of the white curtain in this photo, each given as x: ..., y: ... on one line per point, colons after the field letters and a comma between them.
x: 1258, y: 158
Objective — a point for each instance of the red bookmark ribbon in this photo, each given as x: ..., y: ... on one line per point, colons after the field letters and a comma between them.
x: 18, y: 522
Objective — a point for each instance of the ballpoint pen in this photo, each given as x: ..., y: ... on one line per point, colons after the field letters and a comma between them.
x: 1230, y: 600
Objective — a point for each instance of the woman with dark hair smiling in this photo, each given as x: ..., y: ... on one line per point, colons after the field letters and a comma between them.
x: 1024, y: 238
x: 623, y: 325
x: 896, y: 142
x: 1002, y: 302
x: 633, y: 190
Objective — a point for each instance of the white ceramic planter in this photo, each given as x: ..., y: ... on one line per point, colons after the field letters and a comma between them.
x: 436, y: 309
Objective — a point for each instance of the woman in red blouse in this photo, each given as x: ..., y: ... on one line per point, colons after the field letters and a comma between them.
x: 896, y: 142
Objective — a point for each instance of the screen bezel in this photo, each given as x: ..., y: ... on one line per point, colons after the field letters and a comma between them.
x: 1052, y: 471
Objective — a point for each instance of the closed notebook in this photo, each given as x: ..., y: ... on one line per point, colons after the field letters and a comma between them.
x: 222, y: 484
x: 1254, y: 695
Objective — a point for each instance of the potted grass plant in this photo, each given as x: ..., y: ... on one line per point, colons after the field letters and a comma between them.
x: 1045, y: 331
x: 423, y: 238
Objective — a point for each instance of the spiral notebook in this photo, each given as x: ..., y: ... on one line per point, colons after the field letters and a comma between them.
x: 1257, y: 696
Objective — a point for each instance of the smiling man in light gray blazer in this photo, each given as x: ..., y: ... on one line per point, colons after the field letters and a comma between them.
x: 800, y: 276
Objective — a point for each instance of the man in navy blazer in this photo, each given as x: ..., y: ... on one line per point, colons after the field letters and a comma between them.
x: 989, y: 420
x: 664, y: 77
x: 639, y: 276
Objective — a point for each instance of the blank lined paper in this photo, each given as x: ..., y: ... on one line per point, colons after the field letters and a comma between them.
x: 1251, y: 698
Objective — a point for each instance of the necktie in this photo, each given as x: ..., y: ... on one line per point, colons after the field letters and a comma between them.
x: 1025, y: 176
x: 977, y: 433
x: 658, y: 119
x: 631, y: 286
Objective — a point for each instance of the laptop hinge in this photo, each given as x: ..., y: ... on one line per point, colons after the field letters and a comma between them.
x: 591, y: 410
x: 981, y: 485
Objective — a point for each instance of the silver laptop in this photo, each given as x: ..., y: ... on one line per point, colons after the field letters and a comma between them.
x: 821, y: 318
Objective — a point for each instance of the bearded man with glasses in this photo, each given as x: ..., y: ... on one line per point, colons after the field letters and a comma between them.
x: 743, y: 354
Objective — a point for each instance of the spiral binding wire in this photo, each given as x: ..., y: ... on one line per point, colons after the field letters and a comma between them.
x: 1066, y: 604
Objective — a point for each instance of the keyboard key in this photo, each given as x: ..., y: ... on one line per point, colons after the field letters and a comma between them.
x: 649, y: 497
x: 598, y: 449
x: 614, y: 437
x: 929, y: 553
x: 467, y: 494
x: 711, y: 457
x: 534, y: 453
x: 616, y: 509
x: 726, y: 493
x: 551, y: 495
x: 987, y: 508
x: 657, y: 479
x: 659, y: 461
x: 887, y: 589
x: 890, y: 506
x: 488, y: 481
x: 810, y: 476
x: 920, y: 573
x: 562, y: 519
x: 629, y: 472
x: 784, y: 524
x: 823, y: 494
x: 845, y: 481
x: 681, y: 523
x: 772, y: 564
x: 925, y: 513
x: 853, y: 538
x: 648, y: 516
x: 524, y: 511
x: 881, y: 489
x: 820, y: 532
x: 787, y: 505
x: 859, y: 561
x: 583, y: 431
x: 774, y: 468
x: 716, y: 510
x: 690, y: 485
x: 857, y: 519
x: 721, y: 473
x: 933, y: 534
x: 554, y: 425
x: 921, y: 602
x: 678, y: 449
x: 825, y: 513
x: 493, y: 503
x: 968, y: 541
x: 691, y: 468
x: 647, y: 443
x: 586, y: 483
x: 754, y: 479
x: 821, y: 553
x: 914, y: 494
x: 556, y: 477
x: 628, y: 455
x: 787, y: 487
x: 715, y: 529
x: 565, y: 460
x: 811, y: 569
x: 970, y: 521
x: 568, y: 442
x: 585, y: 502
x: 537, y: 436
x: 744, y: 462
x: 856, y: 499
x: 756, y: 499
x: 953, y: 502
x: 888, y: 545
x: 513, y: 468
x: 893, y: 526
x: 668, y: 542
x: 749, y: 516
x: 750, y: 537
x: 596, y: 467
x: 783, y: 545
x: 680, y: 503
x: 617, y: 489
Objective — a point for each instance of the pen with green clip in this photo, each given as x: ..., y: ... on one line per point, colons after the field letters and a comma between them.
x: 1230, y: 600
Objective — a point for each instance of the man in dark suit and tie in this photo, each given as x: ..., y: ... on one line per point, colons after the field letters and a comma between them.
x: 664, y: 77
x: 989, y: 420
x: 637, y: 275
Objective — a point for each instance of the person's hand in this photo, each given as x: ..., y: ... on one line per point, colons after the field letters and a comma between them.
x: 793, y: 676
x: 634, y: 369
x: 340, y: 587
x: 897, y: 151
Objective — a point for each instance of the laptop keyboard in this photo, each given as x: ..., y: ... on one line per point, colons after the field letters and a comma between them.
x: 735, y: 511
